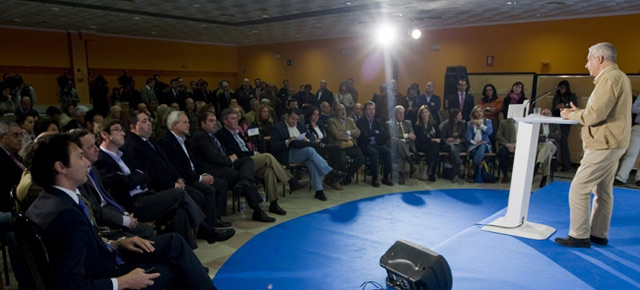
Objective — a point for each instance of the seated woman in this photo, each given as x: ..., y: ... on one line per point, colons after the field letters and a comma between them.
x: 264, y: 122
x: 428, y: 139
x: 243, y: 127
x: 478, y: 131
x: 317, y: 134
x: 515, y: 96
x: 454, y: 132
x: 492, y: 106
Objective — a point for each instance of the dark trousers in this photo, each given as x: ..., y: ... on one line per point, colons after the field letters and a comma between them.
x: 505, y: 160
x: 374, y: 152
x: 174, y: 260
x: 208, y: 197
x: 339, y: 159
x: 432, y: 153
x: 240, y: 172
x: 565, y: 156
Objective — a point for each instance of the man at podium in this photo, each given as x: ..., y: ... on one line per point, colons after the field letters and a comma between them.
x: 605, y: 137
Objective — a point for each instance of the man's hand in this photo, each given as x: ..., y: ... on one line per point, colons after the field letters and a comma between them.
x: 437, y: 140
x: 134, y: 221
x: 233, y: 157
x: 207, y: 179
x: 564, y: 113
x: 511, y: 147
x: 137, y: 244
x: 411, y: 136
x: 450, y: 140
x: 180, y: 183
x: 136, y: 279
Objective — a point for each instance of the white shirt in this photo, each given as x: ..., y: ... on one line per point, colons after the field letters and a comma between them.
x: 125, y: 169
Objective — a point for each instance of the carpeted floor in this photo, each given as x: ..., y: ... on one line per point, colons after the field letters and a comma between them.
x: 340, y: 247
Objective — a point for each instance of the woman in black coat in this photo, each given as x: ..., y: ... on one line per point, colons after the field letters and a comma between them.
x: 428, y: 139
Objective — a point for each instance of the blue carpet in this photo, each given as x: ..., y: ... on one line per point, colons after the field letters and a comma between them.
x: 340, y: 247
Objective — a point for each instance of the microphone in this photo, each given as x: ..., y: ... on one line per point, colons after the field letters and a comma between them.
x: 545, y: 95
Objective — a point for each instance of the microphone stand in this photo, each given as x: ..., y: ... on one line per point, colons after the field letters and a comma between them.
x: 546, y: 94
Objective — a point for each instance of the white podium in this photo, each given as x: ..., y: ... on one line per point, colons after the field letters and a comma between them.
x: 515, y: 221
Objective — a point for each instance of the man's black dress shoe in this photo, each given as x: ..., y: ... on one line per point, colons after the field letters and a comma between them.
x: 320, y: 195
x: 274, y: 207
x: 215, y: 235
x: 336, y: 175
x: 599, y: 241
x: 222, y: 224
x: 260, y: 216
x: 572, y: 242
x: 617, y: 182
x: 295, y: 184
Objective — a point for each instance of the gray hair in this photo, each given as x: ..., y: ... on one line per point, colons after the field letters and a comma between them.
x: 79, y: 110
x: 265, y: 101
x: 397, y: 108
x: 173, y: 118
x: 4, y: 127
x: 606, y: 50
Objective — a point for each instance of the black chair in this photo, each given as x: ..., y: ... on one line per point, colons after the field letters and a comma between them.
x: 33, y: 252
x: 5, y: 263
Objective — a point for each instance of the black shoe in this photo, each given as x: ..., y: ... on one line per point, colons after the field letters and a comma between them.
x: 543, y: 182
x: 375, y: 183
x: 432, y: 178
x: 295, y: 184
x: 387, y: 181
x: 347, y: 180
x: 260, y: 216
x: 572, y: 242
x: 221, y: 224
x: 320, y: 195
x: 274, y: 207
x: 638, y: 183
x: 215, y: 235
x: 563, y: 169
x: 599, y: 241
x: 336, y: 175
x: 617, y: 182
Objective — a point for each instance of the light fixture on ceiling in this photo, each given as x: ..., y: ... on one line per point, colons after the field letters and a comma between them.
x: 54, y: 8
x: 510, y: 3
x: 264, y: 15
x: 385, y: 34
x: 348, y: 3
x: 17, y: 20
x: 135, y: 18
x: 92, y: 26
x: 153, y: 32
x: 416, y: 33
x: 203, y: 25
x: 296, y: 36
x: 254, y: 31
x: 554, y: 3
x: 195, y: 5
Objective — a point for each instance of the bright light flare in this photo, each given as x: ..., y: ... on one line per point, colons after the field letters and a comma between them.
x: 385, y: 35
x: 416, y: 33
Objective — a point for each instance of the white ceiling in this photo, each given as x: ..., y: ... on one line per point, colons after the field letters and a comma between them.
x: 238, y: 22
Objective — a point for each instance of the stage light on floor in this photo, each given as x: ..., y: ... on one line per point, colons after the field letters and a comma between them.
x: 412, y: 267
x: 416, y: 33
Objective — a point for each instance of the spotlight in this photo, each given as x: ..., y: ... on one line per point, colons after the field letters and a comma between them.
x: 385, y: 35
x: 416, y: 33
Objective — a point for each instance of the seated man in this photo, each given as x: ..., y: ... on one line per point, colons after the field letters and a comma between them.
x: 402, y: 140
x: 123, y: 177
x: 290, y: 143
x: 106, y: 210
x: 550, y: 134
x: 342, y: 133
x: 209, y: 156
x: 215, y: 201
x: 266, y: 166
x: 372, y: 142
x: 79, y: 258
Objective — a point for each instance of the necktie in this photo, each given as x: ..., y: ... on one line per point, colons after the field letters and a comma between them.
x: 84, y: 208
x: 217, y: 143
x: 111, y: 249
x: 461, y: 101
x: 149, y: 142
x: 241, y: 143
x: 13, y: 157
x: 102, y: 193
x: 400, y: 129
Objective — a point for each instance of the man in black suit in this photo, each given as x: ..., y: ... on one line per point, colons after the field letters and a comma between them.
x: 211, y: 157
x: 266, y: 166
x: 430, y: 100
x: 462, y: 100
x: 215, y: 201
x: 11, y: 168
x: 372, y: 143
x: 174, y: 95
x: 224, y: 98
x: 323, y: 95
x: 128, y: 182
x: 106, y: 210
x: 79, y: 258
x: 290, y: 144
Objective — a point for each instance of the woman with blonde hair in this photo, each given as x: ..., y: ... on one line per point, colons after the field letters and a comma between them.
x: 343, y: 96
x: 478, y: 130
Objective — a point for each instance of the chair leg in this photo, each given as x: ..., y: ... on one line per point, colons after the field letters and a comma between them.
x: 5, y: 264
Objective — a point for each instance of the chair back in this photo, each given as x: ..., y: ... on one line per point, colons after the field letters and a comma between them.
x: 33, y: 252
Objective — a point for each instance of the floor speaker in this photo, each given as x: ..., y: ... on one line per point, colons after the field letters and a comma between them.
x: 412, y: 267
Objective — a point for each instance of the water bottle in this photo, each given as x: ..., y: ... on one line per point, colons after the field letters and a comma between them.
x: 243, y: 206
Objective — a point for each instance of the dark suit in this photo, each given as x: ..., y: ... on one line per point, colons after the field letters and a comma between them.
x: 80, y: 259
x: 223, y: 101
x: 173, y: 96
x: 279, y: 136
x: 226, y: 138
x: 454, y: 102
x: 374, y: 151
x: 434, y: 105
x: 323, y: 96
x: 11, y: 174
x: 215, y: 196
x: 172, y: 204
x: 110, y: 215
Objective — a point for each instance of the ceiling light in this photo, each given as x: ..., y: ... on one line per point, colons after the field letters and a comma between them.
x: 348, y: 3
x: 17, y: 20
x: 92, y: 26
x: 416, y: 33
x: 136, y: 18
x: 385, y: 35
x: 511, y: 3
x: 296, y: 36
x: 195, y: 5
x: 247, y: 40
x: 264, y: 16
x: 153, y: 32
x: 254, y: 31
x: 54, y: 8
x: 203, y: 25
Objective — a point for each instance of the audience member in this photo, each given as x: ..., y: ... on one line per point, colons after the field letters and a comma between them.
x: 478, y: 130
x: 402, y: 142
x: 462, y: 100
x: 372, y: 142
x: 343, y: 134
x: 454, y: 134
x: 428, y: 137
x: 562, y: 100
